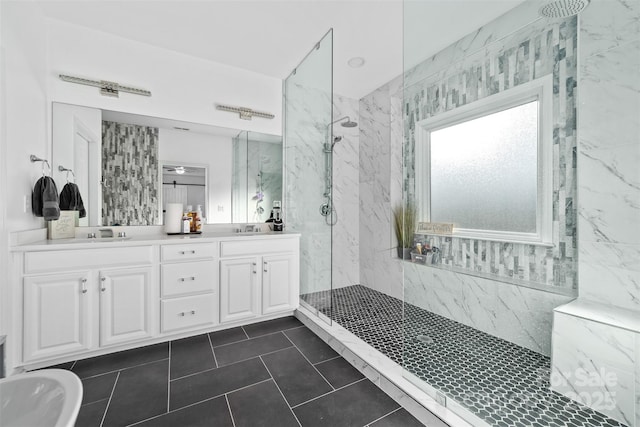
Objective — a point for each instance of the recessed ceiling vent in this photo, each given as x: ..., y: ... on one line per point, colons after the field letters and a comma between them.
x: 563, y: 8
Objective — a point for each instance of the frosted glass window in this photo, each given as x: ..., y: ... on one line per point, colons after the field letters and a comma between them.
x: 484, y: 172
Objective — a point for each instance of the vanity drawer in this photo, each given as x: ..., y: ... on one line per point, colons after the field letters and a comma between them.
x: 258, y: 246
x: 189, y: 277
x: 187, y: 312
x: 189, y: 251
x: 65, y: 260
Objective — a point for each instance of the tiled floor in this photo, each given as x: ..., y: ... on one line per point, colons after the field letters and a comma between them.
x: 500, y: 382
x: 274, y: 373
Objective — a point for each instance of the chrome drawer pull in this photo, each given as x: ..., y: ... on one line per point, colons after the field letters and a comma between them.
x: 184, y: 279
x: 84, y: 285
x: 193, y: 312
x: 181, y: 313
x: 187, y: 252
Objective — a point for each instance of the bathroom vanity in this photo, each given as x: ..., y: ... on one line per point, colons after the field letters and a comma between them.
x: 82, y: 298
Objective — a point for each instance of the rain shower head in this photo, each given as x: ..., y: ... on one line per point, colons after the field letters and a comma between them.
x: 349, y: 124
x: 562, y: 8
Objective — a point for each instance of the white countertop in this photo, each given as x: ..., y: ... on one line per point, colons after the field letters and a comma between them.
x: 143, y: 239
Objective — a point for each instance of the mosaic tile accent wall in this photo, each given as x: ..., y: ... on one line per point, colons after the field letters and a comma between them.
x: 541, y: 48
x: 129, y: 171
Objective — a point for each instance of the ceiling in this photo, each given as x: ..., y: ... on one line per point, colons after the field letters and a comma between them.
x: 271, y: 37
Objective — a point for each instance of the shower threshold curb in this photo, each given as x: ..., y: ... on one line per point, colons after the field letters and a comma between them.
x: 418, y: 399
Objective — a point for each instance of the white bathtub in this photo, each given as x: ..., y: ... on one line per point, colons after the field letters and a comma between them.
x: 50, y: 397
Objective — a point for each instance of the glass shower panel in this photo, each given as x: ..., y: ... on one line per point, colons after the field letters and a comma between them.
x: 308, y: 104
x: 239, y: 178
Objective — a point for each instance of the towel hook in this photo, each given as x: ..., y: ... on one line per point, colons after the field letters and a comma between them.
x: 34, y: 159
x: 63, y: 169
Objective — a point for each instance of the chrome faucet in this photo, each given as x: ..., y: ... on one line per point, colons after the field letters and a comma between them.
x: 106, y: 232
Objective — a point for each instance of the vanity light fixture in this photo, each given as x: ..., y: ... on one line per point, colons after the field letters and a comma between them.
x: 245, y: 113
x: 107, y: 88
x: 179, y: 170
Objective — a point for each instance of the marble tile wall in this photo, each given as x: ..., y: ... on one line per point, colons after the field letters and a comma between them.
x: 308, y: 111
x: 517, y: 314
x: 609, y: 153
x: 540, y: 48
x: 346, y: 196
x: 608, y: 207
x: 596, y: 364
x: 128, y: 153
x: 380, y: 182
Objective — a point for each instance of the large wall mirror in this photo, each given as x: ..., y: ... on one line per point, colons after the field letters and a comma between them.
x: 128, y: 167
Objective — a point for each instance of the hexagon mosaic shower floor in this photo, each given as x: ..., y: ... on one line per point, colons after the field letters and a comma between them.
x: 500, y: 382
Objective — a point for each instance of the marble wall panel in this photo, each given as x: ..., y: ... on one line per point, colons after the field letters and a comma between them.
x: 609, y: 153
x: 346, y: 196
x: 594, y: 363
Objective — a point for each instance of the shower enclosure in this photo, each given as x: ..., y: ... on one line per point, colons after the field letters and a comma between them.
x: 308, y: 105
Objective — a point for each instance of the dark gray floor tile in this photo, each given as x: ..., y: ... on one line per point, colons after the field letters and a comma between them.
x: 227, y: 336
x: 310, y: 345
x: 401, y: 418
x: 97, y: 388
x: 298, y: 380
x: 120, y: 360
x: 214, y: 412
x: 91, y: 415
x: 140, y: 393
x: 250, y: 348
x: 208, y: 384
x: 67, y: 366
x: 271, y: 326
x: 260, y: 405
x: 339, y: 372
x: 191, y: 355
x: 354, y: 405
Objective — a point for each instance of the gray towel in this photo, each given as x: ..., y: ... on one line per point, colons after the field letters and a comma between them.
x: 44, y: 199
x: 71, y: 200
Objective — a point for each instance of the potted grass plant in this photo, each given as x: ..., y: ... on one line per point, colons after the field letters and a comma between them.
x: 405, y: 225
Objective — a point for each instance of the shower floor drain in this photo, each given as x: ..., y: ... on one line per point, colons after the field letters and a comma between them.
x: 425, y: 339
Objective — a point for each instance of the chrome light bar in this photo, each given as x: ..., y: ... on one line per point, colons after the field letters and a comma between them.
x: 245, y: 113
x: 106, y: 88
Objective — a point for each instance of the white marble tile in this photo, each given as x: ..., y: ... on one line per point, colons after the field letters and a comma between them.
x: 434, y: 290
x: 637, y: 338
x: 609, y: 192
x: 479, y: 300
x: 606, y: 24
x: 594, y: 363
x: 525, y: 316
x: 607, y: 284
x: 610, y: 254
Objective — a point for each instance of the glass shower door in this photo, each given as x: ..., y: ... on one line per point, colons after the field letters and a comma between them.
x: 308, y: 108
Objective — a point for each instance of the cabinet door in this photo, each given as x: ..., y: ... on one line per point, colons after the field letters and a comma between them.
x: 57, y: 317
x: 277, y: 274
x: 239, y: 287
x: 125, y: 305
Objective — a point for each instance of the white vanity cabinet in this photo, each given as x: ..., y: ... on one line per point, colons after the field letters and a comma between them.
x: 189, y: 286
x: 126, y: 313
x: 79, y: 300
x: 58, y: 315
x: 258, y: 277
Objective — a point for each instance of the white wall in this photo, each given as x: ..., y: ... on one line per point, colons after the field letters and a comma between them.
x: 23, y: 130
x: 199, y: 149
x: 183, y: 87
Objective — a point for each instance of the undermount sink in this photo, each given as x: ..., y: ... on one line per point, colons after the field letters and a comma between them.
x: 100, y: 239
x: 49, y: 397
